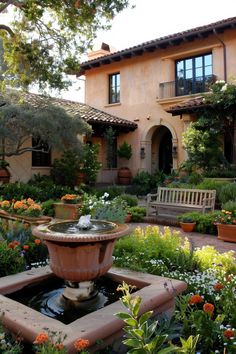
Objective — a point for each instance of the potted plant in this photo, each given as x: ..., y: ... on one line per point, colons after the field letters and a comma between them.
x: 226, y: 224
x: 4, y: 173
x: 187, y: 223
x: 69, y: 207
x: 124, y: 152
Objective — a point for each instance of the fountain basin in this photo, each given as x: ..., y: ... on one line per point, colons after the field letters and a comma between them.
x: 158, y: 294
x: 80, y: 255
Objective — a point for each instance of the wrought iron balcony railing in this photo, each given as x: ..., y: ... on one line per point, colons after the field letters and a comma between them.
x: 183, y: 87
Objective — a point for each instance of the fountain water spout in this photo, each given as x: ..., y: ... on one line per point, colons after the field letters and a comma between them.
x: 85, y: 222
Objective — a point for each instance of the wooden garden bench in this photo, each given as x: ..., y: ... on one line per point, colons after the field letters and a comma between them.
x: 175, y: 201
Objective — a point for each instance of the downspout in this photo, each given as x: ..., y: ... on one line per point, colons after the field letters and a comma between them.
x: 224, y: 54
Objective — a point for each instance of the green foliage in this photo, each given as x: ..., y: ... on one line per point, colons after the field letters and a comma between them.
x: 104, y: 209
x: 90, y: 164
x: 153, y: 251
x: 7, y: 343
x: 112, y: 191
x: 47, y: 39
x: 48, y: 207
x: 230, y: 205
x: 40, y: 191
x: 130, y: 200
x: 208, y: 257
x: 202, y: 139
x: 143, y: 335
x: 48, y: 123
x: 221, y: 173
x: 65, y: 170
x: 125, y: 151
x: 110, y: 136
x: 19, y: 238
x: 11, y: 261
x: 142, y: 182
x: 227, y: 193
x: 138, y: 213
x: 204, y: 222
x: 212, y: 184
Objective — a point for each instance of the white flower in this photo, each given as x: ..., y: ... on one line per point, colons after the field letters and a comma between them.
x: 224, y: 88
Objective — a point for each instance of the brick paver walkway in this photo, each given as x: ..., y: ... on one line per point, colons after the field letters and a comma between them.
x: 196, y: 239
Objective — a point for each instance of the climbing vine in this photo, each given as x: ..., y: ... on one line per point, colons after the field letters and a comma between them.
x: 203, y: 138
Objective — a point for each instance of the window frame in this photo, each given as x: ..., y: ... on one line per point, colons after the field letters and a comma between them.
x: 114, y: 97
x: 193, y: 80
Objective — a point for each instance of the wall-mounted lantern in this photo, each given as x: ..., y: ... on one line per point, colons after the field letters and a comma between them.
x: 174, y: 151
x: 142, y: 153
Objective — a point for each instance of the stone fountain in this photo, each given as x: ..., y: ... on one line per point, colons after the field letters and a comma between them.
x: 79, y: 253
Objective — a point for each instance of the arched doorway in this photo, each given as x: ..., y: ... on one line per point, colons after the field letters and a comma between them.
x: 162, y: 158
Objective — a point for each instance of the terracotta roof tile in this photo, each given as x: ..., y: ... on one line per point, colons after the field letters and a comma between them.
x: 186, y: 106
x: 90, y: 114
x: 162, y: 42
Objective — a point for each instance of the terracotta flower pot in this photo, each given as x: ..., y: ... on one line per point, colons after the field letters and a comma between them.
x: 4, y: 175
x: 187, y: 226
x: 226, y: 232
x: 124, y: 175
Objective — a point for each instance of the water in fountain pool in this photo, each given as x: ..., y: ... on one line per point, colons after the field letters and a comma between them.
x: 49, y: 300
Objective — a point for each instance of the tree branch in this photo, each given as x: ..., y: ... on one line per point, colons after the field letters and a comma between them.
x: 7, y: 29
x: 9, y: 2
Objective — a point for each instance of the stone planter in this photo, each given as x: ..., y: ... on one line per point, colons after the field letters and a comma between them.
x: 226, y: 232
x: 32, y: 220
x: 187, y: 226
x: 67, y: 211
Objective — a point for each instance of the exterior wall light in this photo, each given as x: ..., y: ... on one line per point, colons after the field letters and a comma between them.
x: 174, y: 151
x: 142, y: 153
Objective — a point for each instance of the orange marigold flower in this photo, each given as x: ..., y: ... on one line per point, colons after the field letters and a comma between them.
x: 41, y: 338
x: 81, y: 344
x: 228, y: 333
x: 16, y: 243
x: 195, y: 299
x: 37, y: 241
x: 30, y: 201
x: 208, y: 308
x: 26, y: 247
x: 11, y: 245
x: 59, y: 346
x: 218, y: 286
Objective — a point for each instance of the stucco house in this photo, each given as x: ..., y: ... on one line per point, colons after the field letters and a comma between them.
x: 157, y: 85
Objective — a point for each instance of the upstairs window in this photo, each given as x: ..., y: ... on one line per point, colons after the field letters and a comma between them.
x: 193, y: 75
x: 41, y: 158
x: 114, y: 88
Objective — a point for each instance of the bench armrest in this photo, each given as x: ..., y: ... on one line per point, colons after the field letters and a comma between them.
x: 151, y: 197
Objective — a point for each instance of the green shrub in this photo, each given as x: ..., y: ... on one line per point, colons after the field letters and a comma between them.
x: 38, y: 191
x: 221, y: 173
x: 152, y: 251
x: 137, y: 213
x: 227, y: 193
x: 11, y: 261
x: 212, y: 184
x: 204, y: 222
x: 130, y: 200
x: 65, y: 170
x: 48, y: 207
x: 113, y: 191
x: 142, y: 183
x: 230, y: 205
x: 208, y: 257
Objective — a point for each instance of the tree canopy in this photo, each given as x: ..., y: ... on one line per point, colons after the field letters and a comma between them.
x: 20, y: 122
x: 46, y: 38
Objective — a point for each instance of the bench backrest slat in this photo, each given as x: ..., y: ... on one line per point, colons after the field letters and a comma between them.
x: 186, y: 196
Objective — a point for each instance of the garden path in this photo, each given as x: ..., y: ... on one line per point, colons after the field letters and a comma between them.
x: 196, y: 239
